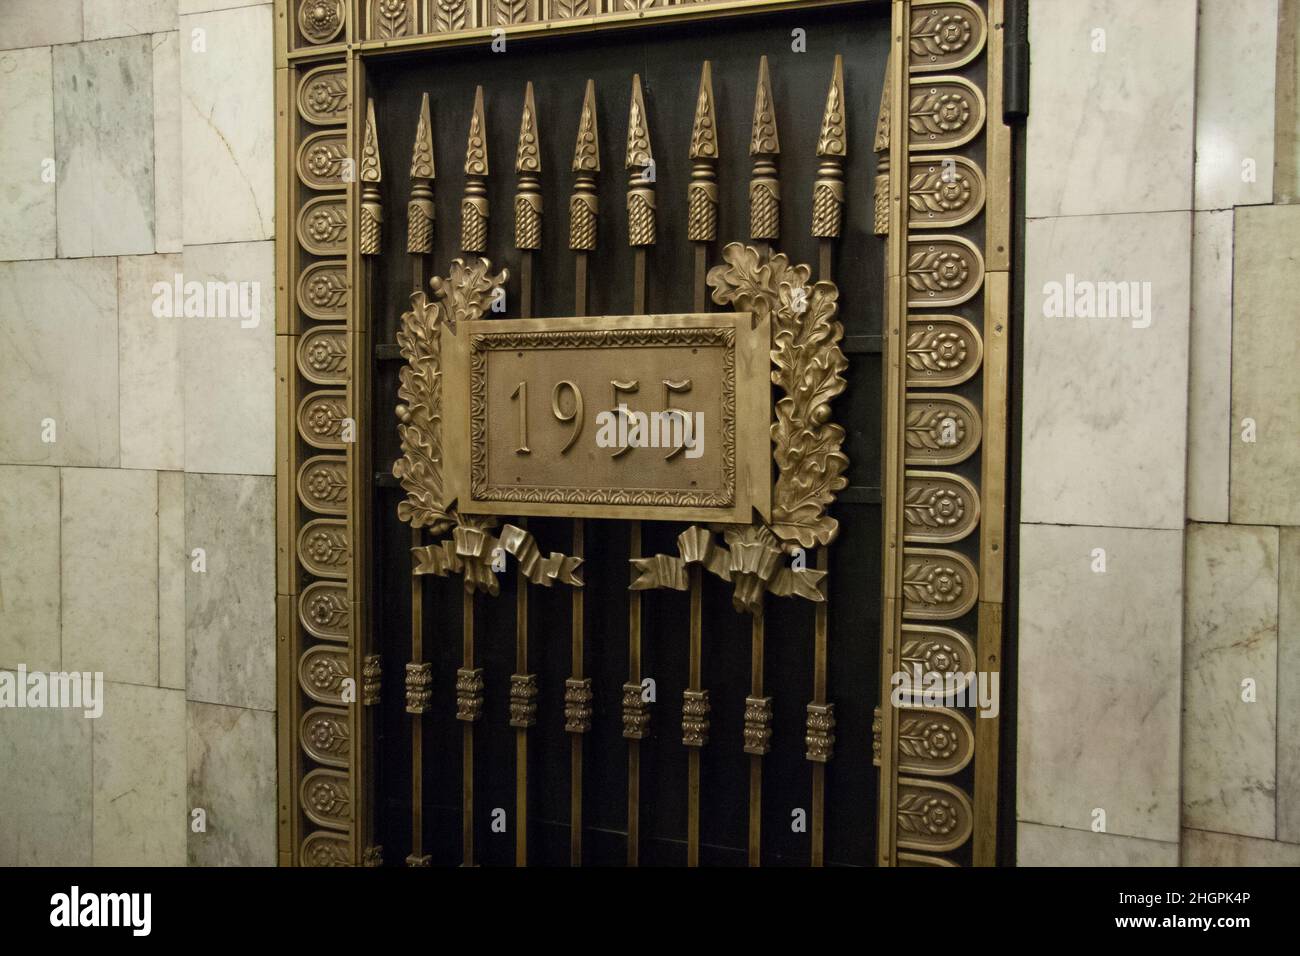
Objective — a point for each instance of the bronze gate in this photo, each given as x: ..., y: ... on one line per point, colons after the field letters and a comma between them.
x: 515, y: 626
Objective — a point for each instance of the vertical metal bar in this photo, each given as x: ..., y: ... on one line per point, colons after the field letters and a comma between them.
x: 641, y: 235
x: 895, y: 318
x: 583, y: 205
x: 757, y: 634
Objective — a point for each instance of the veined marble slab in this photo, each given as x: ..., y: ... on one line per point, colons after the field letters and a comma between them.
x: 1099, y: 680
x: 1201, y: 848
x: 1288, y: 687
x: 58, y: 361
x: 1037, y: 845
x: 28, y: 23
x: 1209, y: 407
x: 27, y: 193
x: 1111, y: 126
x: 120, y: 18
x: 227, y: 125
x: 103, y: 142
x: 45, y: 808
x: 168, y: 201
x: 152, y: 412
x: 29, y: 567
x: 1230, y: 730
x: 232, y: 772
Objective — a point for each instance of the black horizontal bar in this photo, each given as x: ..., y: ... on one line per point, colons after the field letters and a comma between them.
x: 859, y: 495
x: 863, y: 344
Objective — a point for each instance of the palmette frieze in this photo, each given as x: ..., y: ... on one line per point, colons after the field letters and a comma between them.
x: 941, y: 350
x: 324, y: 548
x: 636, y: 712
x: 323, y: 355
x: 934, y: 741
x: 325, y: 798
x: 321, y: 417
x: 945, y: 34
x: 323, y: 484
x: 939, y: 429
x: 932, y: 815
x: 819, y: 732
x: 937, y: 584
x: 322, y: 671
x: 323, y: 95
x: 938, y: 507
x: 419, y: 687
x: 325, y: 611
x: 323, y: 226
x: 323, y: 291
x: 758, y: 725
x: 326, y: 737
x: 321, y: 21
x: 388, y: 19
x: 943, y: 191
x: 523, y: 700
x: 322, y: 160
x: 325, y: 849
x: 943, y: 112
x: 935, y: 652
x: 942, y: 271
x: 577, y: 705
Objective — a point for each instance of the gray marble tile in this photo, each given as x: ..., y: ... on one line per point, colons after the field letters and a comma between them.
x: 1286, y: 124
x: 1104, y: 439
x: 173, y: 566
x: 1111, y: 131
x: 1037, y: 845
x: 227, y: 127
x: 1209, y: 406
x: 1235, y: 76
x: 1229, y: 745
x: 1222, y: 849
x: 25, y: 23
x: 103, y: 141
x: 167, y: 199
x: 152, y: 403
x: 140, y: 817
x: 58, y: 360
x: 1098, y: 687
x: 29, y: 567
x: 230, y: 608
x: 121, y: 18
x: 229, y: 365
x: 46, y: 807
x: 109, y: 544
x: 232, y: 777
x: 1288, y: 686
x: 28, y: 194
x: 1265, y: 356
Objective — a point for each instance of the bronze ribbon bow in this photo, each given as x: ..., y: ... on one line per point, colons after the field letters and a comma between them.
x: 470, y: 551
x: 752, y: 565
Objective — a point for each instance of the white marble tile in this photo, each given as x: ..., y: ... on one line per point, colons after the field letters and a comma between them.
x: 230, y: 608
x: 229, y: 365
x: 29, y: 567
x: 58, y: 361
x: 26, y: 23
x: 110, y: 573
x: 1110, y: 131
x: 46, y: 806
x: 103, y: 141
x: 1209, y: 406
x: 1229, y: 744
x: 1265, y: 357
x: 1236, y: 61
x: 173, y: 566
x: 232, y: 768
x: 1288, y: 686
x: 152, y: 411
x: 1105, y: 399
x: 227, y: 126
x: 28, y: 192
x: 1037, y: 845
x: 168, y: 206
x: 140, y: 817
x: 1222, y: 849
x: 1098, y: 686
x: 121, y: 18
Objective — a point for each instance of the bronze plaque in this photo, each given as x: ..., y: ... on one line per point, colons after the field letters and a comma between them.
x: 646, y: 416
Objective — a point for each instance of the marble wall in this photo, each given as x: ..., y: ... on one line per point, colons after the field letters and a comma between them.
x: 137, y: 504
x: 1158, y: 577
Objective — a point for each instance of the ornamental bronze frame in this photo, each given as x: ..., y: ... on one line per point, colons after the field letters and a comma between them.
x: 329, y: 675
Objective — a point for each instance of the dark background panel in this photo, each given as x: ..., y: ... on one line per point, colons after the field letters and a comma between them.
x: 668, y: 59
